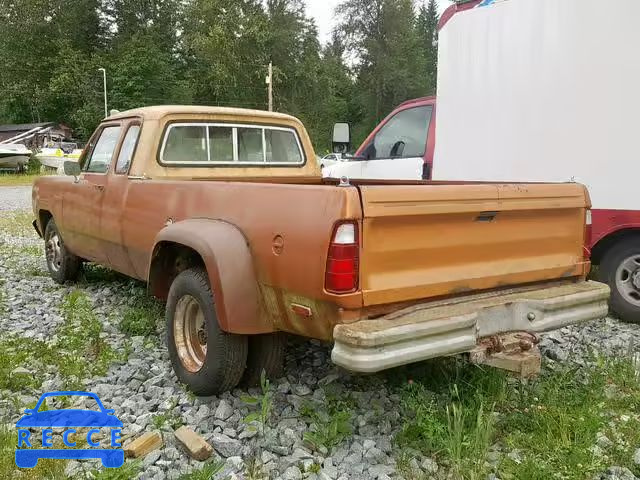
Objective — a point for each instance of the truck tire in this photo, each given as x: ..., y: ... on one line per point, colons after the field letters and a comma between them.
x: 62, y: 264
x: 266, y: 353
x: 620, y: 269
x: 208, y: 360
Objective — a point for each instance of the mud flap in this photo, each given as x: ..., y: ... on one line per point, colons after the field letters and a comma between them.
x: 35, y: 226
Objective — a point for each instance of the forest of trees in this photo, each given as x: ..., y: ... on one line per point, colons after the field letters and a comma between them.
x: 213, y: 52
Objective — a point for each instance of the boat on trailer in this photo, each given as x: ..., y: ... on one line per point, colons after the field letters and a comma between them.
x: 14, y: 156
x: 53, y: 155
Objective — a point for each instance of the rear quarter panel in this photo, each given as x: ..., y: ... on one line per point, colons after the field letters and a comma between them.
x: 303, y: 216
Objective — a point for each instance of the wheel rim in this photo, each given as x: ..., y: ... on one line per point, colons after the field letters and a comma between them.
x: 628, y: 279
x: 190, y: 333
x: 53, y: 249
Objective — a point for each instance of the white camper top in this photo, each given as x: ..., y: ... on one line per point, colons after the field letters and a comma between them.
x: 542, y: 90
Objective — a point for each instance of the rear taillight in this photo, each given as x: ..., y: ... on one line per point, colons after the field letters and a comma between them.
x: 342, y: 260
x: 587, y: 235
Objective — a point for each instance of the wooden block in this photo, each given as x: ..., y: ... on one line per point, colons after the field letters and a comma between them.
x: 195, y: 445
x: 526, y: 364
x: 144, y: 444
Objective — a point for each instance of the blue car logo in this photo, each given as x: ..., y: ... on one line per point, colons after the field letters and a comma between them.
x: 69, y: 419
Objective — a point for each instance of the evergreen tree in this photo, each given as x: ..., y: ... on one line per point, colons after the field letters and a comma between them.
x: 382, y: 37
x: 212, y: 52
x: 427, y: 26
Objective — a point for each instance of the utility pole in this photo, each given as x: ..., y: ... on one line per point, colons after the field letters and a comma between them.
x: 104, y: 84
x: 269, y: 82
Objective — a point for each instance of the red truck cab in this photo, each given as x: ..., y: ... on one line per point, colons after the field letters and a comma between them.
x: 401, y: 147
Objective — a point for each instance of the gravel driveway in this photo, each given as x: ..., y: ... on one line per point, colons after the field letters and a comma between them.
x: 15, y: 198
x: 143, y: 388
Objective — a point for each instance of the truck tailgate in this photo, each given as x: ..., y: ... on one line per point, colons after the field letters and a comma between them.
x: 425, y: 241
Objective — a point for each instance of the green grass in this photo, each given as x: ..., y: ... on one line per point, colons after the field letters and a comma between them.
x: 92, y: 273
x: 46, y: 468
x: 142, y: 317
x: 3, y: 297
x: 264, y: 402
x: 15, y: 180
x: 205, y: 472
x: 456, y: 412
x: 129, y: 470
x: 18, y: 352
x: 17, y: 224
x: 329, y: 424
x: 253, y: 469
x: 78, y: 353
x: 168, y: 418
x: 84, y: 353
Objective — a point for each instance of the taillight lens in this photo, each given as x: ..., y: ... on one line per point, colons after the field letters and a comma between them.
x: 587, y: 235
x: 342, y: 260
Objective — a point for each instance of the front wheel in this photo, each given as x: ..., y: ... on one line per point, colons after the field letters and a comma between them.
x: 208, y: 360
x: 61, y: 263
x: 620, y: 269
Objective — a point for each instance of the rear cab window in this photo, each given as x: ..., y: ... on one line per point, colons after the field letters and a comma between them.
x: 211, y: 144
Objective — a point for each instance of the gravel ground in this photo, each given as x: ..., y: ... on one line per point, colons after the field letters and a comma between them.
x: 15, y: 198
x: 145, y: 386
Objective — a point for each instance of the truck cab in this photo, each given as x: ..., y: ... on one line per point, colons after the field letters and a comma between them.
x: 401, y: 147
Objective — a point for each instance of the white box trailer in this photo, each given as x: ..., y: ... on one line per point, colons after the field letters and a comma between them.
x: 549, y: 90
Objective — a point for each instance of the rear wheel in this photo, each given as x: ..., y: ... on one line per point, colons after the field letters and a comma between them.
x: 620, y: 269
x: 266, y: 353
x: 61, y: 263
x: 208, y: 360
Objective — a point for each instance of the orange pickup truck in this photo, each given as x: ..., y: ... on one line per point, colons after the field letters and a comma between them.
x: 224, y: 213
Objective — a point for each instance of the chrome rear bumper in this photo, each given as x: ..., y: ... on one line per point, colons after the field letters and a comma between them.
x: 454, y: 326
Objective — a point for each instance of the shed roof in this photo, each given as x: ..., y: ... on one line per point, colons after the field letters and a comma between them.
x: 24, y: 127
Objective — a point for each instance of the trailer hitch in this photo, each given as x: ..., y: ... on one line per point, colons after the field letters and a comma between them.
x: 515, y: 352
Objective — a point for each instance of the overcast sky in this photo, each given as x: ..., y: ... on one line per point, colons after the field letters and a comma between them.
x: 322, y: 11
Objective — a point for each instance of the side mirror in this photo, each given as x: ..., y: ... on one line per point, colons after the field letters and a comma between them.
x: 71, y: 168
x: 341, y: 138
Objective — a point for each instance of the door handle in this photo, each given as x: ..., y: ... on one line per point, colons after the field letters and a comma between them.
x: 100, y: 188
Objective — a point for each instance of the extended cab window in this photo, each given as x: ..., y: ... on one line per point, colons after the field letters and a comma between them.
x: 126, y: 151
x: 102, y: 153
x: 403, y: 136
x: 250, y: 145
x: 186, y: 144
x: 221, y: 144
x: 281, y: 146
x: 210, y: 144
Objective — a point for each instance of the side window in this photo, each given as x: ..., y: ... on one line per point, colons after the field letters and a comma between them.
x: 221, y: 144
x: 186, y: 144
x: 403, y: 136
x: 282, y: 147
x: 102, y: 153
x: 126, y: 151
x: 250, y: 145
